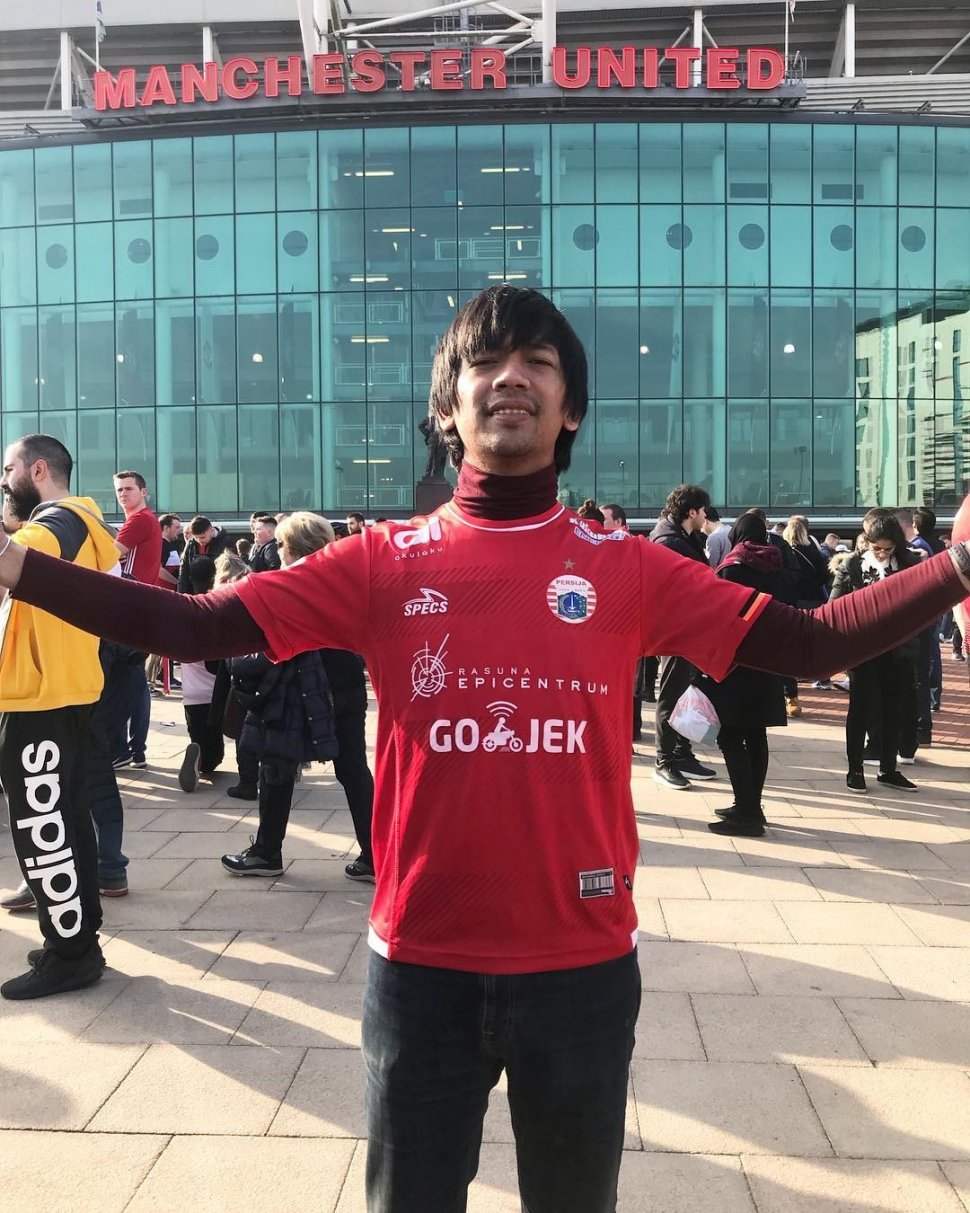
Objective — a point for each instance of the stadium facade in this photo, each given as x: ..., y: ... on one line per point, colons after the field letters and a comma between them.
x: 230, y: 236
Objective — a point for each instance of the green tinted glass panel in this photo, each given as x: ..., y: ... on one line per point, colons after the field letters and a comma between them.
x: 952, y: 166
x: 341, y: 160
x: 218, y: 463
x: 96, y: 355
x: 18, y: 282
x: 572, y: 166
x: 54, y: 184
x: 259, y: 456
x: 296, y: 170
x: 95, y: 261
x: 387, y: 177
x: 917, y: 165
x: 481, y: 166
x: 134, y: 260
x: 213, y: 174
x: 434, y: 173
x: 704, y: 162
x: 255, y: 172
x: 258, y: 364
x: 618, y: 345
x: 18, y: 367
x: 132, y: 168
x: 527, y: 149
x: 791, y: 245
x: 876, y: 165
x: 299, y: 348
x: 135, y: 354
x: 790, y: 349
x: 174, y: 258
x: 747, y: 453
x: 790, y: 158
x: 175, y: 351
x: 297, y: 261
x: 58, y: 358
x: 660, y: 162
x: 92, y: 182
x: 616, y: 248
x: 172, y: 169
x: 16, y: 188
x: 214, y: 255
x: 574, y: 239
x: 616, y: 162
x: 255, y: 254
x: 55, y: 265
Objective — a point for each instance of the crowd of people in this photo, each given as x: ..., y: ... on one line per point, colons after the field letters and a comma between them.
x: 501, y: 635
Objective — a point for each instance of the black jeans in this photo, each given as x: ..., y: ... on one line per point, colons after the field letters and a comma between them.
x: 104, y: 800
x: 207, y: 736
x: 435, y: 1042
x: 350, y: 765
x: 42, y: 770
x: 276, y: 786
x: 745, y: 750
x: 882, y: 698
x: 676, y: 675
x: 248, y: 767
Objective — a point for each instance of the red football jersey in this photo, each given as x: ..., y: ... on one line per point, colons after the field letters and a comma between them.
x: 503, y: 657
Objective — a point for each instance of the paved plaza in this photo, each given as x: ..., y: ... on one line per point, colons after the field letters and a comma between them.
x: 804, y: 1043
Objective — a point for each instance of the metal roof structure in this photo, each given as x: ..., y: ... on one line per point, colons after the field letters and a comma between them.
x: 872, y: 55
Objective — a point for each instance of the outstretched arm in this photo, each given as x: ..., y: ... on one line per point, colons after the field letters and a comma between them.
x: 187, y: 627
x: 857, y: 627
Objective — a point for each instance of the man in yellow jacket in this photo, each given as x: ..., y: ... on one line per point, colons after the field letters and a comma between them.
x: 50, y: 677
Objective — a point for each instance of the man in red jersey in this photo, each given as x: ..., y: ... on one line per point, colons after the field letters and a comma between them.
x: 501, y: 634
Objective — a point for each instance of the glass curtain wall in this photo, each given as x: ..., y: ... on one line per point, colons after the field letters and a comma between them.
x: 778, y: 311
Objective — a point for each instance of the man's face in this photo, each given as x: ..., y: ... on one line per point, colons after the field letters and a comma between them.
x: 264, y: 532
x: 510, y: 406
x: 205, y: 537
x: 609, y: 522
x: 695, y: 520
x: 20, y: 493
x: 130, y: 497
x: 172, y: 531
x: 353, y: 526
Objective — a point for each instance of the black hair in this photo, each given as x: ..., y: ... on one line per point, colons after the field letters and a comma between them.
x: 618, y: 512
x: 684, y: 498
x: 202, y: 574
x: 507, y: 317
x: 712, y: 514
x: 199, y: 525
x: 360, y: 517
x: 591, y: 512
x: 54, y: 453
x: 886, y: 526
x: 924, y: 522
x: 167, y: 519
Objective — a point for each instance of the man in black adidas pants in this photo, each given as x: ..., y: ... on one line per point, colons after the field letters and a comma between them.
x: 50, y: 678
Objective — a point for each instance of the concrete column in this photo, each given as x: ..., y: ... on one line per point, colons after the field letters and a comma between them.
x: 698, y: 42
x: 548, y: 38
x: 850, y: 40
x: 67, y: 99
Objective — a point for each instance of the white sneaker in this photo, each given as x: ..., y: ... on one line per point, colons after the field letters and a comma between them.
x: 906, y: 762
x: 870, y: 762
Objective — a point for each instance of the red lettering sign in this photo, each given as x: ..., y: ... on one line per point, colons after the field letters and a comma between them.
x: 370, y: 71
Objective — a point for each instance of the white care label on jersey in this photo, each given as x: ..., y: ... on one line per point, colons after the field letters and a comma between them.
x: 596, y: 884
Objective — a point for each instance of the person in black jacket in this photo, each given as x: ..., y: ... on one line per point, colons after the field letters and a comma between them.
x: 300, y: 535
x: 201, y: 539
x: 882, y: 692
x: 680, y: 529
x: 265, y: 551
x: 748, y: 702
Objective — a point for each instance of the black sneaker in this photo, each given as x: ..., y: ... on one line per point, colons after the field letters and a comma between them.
x: 897, y: 780
x: 360, y: 869
x: 243, y: 791
x: 189, y: 770
x: 51, y: 974
x: 36, y: 953
x: 672, y: 778
x: 738, y: 827
x: 251, y: 863
x: 114, y: 886
x: 120, y: 763
x: 855, y: 781
x: 22, y: 898
x: 733, y: 813
x: 139, y: 762
x: 696, y: 770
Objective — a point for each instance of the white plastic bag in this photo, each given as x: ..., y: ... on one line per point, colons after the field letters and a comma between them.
x: 695, y: 717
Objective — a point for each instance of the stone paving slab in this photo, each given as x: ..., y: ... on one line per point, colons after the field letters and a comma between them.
x: 801, y: 1045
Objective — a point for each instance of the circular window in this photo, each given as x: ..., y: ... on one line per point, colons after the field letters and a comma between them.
x: 586, y: 237
x: 295, y: 243
x: 913, y: 239
x: 139, y: 251
x: 751, y: 236
x: 679, y: 235
x: 841, y: 237
x: 206, y: 247
x: 56, y: 256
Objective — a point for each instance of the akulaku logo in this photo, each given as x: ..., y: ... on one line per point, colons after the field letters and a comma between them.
x: 430, y: 602
x: 571, y: 599
x: 467, y: 735
x: 416, y: 537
